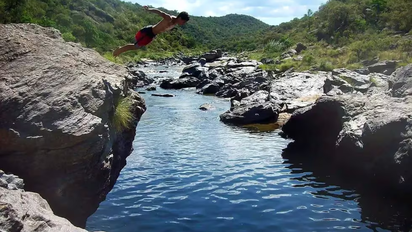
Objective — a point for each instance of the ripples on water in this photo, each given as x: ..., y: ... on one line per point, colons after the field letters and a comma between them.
x: 190, y: 172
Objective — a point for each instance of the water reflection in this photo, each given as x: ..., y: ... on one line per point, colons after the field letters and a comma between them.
x: 378, y: 210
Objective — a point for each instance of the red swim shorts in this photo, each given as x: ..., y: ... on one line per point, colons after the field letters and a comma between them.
x: 144, y: 36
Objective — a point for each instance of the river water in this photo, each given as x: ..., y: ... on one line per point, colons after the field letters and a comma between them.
x: 190, y: 172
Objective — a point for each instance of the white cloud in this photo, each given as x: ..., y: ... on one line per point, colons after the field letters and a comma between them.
x: 210, y: 13
x: 271, y: 12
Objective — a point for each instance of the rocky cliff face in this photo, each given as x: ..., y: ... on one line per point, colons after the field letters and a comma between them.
x: 57, y: 101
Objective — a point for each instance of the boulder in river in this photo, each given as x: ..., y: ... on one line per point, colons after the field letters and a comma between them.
x: 206, y: 106
x: 252, y: 109
x: 151, y: 88
x: 137, y: 78
x: 185, y: 82
x: 162, y: 95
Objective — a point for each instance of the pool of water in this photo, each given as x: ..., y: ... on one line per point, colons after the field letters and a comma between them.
x: 190, y: 172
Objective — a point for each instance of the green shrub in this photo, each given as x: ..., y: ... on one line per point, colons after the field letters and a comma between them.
x: 68, y: 37
x: 308, y: 60
x: 325, y: 66
x: 335, y: 52
x: 287, y: 65
x: 123, y: 117
x: 363, y: 49
x: 278, y: 45
x: 268, y: 66
x: 406, y: 45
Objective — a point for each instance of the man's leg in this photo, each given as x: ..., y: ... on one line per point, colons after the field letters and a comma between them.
x: 126, y: 48
x: 141, y: 40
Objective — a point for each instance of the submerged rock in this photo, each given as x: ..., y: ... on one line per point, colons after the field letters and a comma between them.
x: 206, y: 107
x: 162, y: 95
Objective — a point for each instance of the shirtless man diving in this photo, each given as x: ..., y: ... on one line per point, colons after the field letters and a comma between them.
x: 148, y: 33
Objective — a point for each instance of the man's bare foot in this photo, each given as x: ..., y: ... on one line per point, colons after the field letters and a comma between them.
x: 116, y: 52
x: 125, y: 48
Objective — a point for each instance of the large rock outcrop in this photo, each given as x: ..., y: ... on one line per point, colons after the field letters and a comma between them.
x: 57, y: 101
x: 366, y: 134
x: 362, y: 127
x: 287, y: 94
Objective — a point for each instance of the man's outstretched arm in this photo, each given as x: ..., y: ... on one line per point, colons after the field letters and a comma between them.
x: 158, y: 12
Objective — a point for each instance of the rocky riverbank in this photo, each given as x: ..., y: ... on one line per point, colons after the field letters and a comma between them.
x: 245, y: 83
x: 360, y: 120
x: 57, y: 107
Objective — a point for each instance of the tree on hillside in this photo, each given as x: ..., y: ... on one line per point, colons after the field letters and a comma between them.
x: 398, y: 15
x: 12, y: 10
x: 308, y: 17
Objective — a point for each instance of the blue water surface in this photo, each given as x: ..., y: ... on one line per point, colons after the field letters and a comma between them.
x: 190, y: 172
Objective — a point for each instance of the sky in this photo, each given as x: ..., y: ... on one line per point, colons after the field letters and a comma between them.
x: 272, y: 12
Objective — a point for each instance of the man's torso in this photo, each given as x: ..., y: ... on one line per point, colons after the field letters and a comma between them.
x: 162, y: 26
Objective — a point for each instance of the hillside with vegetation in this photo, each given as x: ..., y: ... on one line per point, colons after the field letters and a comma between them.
x: 343, y: 33
x: 106, y: 24
x: 231, y: 32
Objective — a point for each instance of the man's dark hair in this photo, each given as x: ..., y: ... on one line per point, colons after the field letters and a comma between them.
x: 184, y: 15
